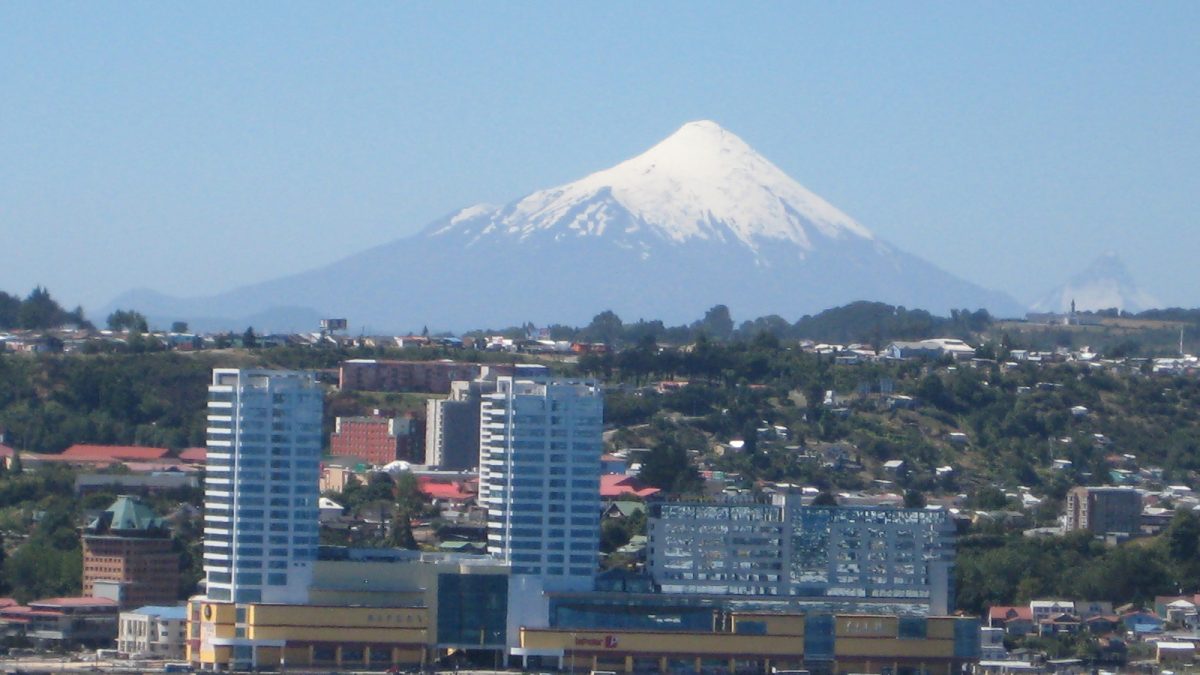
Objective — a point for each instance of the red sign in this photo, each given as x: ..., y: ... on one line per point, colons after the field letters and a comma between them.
x: 606, y: 642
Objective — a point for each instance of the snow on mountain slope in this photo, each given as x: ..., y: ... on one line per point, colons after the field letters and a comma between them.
x: 698, y: 219
x: 1105, y: 284
x: 702, y: 182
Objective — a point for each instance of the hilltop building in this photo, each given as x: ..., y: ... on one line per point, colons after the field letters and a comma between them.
x: 128, y: 558
x: 425, y: 376
x: 1104, y: 510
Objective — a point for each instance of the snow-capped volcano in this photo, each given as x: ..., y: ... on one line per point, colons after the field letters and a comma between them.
x: 698, y: 219
x: 702, y: 182
x: 1105, y: 284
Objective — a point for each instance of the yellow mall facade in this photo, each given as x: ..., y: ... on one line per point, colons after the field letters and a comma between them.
x: 764, y: 643
x: 339, y: 638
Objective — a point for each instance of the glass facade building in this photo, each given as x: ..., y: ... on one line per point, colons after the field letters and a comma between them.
x: 787, y: 550
x: 260, y: 496
x: 539, y: 476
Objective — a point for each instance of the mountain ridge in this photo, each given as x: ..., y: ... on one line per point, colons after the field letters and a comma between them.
x: 1104, y: 284
x: 698, y: 219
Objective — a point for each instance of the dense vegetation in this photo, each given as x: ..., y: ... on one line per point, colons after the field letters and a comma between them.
x: 36, y: 311
x: 802, y: 418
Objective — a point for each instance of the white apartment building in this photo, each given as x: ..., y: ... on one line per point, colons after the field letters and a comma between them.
x: 539, y: 476
x: 152, y: 632
x: 881, y: 559
x: 260, y: 497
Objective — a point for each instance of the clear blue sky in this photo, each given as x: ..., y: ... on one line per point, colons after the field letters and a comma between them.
x: 194, y: 148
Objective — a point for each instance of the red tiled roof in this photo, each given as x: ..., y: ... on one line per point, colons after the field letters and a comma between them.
x: 438, y: 490
x: 35, y: 458
x: 113, y: 452
x: 615, y: 485
x: 73, y: 602
x: 194, y: 454
x: 1007, y: 613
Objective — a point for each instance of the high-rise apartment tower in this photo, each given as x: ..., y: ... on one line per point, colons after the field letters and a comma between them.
x: 260, y: 497
x: 539, y: 475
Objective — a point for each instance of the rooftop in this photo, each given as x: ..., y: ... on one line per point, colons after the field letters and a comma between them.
x: 82, y: 451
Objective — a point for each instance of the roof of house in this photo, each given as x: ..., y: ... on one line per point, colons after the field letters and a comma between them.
x: 83, y: 451
x: 6, y: 451
x: 165, y: 465
x: 73, y: 602
x: 193, y: 454
x: 440, y: 490
x: 615, y: 485
x: 1008, y: 613
x: 462, y: 546
x: 627, y: 508
x: 178, y: 613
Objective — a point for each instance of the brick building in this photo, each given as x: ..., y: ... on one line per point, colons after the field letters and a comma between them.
x: 378, y: 439
x: 127, y: 556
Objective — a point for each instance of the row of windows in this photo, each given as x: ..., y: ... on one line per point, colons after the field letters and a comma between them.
x: 553, y: 520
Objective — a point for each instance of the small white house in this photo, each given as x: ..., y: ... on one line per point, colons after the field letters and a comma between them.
x: 329, y: 510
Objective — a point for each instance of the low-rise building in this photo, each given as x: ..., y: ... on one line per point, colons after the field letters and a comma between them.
x: 368, y: 609
x: 764, y: 643
x: 153, y: 632
x: 63, y: 623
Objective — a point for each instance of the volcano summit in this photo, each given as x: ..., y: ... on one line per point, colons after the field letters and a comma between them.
x: 699, y: 219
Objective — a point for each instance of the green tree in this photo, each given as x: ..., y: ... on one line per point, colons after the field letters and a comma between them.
x: 39, y: 310
x: 716, y: 323
x: 668, y: 467
x: 122, y: 320
x: 409, y: 498
x: 825, y: 498
x: 401, y: 535
x: 605, y: 327
x: 249, y: 339
x: 10, y: 311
